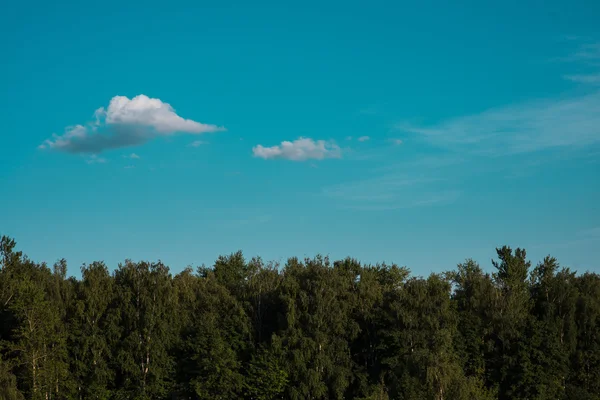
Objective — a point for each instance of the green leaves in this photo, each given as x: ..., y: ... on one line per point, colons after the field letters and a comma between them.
x: 266, y: 378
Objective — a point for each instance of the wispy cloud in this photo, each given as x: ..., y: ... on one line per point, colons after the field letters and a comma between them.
x: 385, y: 188
x: 132, y: 156
x: 388, y: 192
x: 583, y: 78
x: 424, y: 164
x: 125, y: 123
x: 397, y: 141
x: 586, y: 58
x: 301, y: 149
x: 587, y: 53
x: 94, y: 159
x: 559, y: 122
x: 197, y: 143
x: 527, y: 127
x: 363, y: 138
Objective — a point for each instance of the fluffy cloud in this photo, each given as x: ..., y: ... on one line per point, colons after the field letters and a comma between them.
x: 299, y: 150
x: 124, y: 123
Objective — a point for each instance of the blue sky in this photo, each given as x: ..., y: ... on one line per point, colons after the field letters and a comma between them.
x: 420, y: 134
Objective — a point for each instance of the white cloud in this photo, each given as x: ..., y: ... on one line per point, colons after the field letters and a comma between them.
x: 94, y: 159
x: 559, y: 122
x: 397, y: 141
x: 527, y: 127
x: 124, y: 123
x: 299, y: 150
x: 197, y: 143
x: 142, y: 110
x: 363, y: 138
x: 72, y: 133
x: 133, y: 156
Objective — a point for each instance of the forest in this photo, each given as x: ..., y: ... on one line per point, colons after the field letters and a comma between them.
x: 309, y: 329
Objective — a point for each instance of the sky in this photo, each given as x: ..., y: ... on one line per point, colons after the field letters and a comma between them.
x: 417, y: 133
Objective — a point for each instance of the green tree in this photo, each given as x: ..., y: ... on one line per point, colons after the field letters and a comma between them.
x: 584, y: 380
x: 317, y: 330
x: 511, y: 363
x: 266, y: 377
x: 215, y: 340
x: 91, y: 332
x: 8, y: 383
x: 145, y: 300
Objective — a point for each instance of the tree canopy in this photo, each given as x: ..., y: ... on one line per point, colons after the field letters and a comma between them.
x: 310, y: 329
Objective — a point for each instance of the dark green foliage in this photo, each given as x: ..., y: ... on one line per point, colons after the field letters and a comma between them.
x: 310, y: 330
x: 92, y: 331
x: 8, y: 383
x: 266, y: 378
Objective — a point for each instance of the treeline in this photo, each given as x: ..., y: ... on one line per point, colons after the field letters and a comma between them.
x: 311, y: 329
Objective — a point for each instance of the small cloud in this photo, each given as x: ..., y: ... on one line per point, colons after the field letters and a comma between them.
x: 348, y: 137
x: 94, y: 159
x: 125, y: 123
x: 397, y: 141
x: 197, y: 143
x: 300, y: 149
x: 129, y: 166
x: 132, y: 156
x: 363, y: 138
